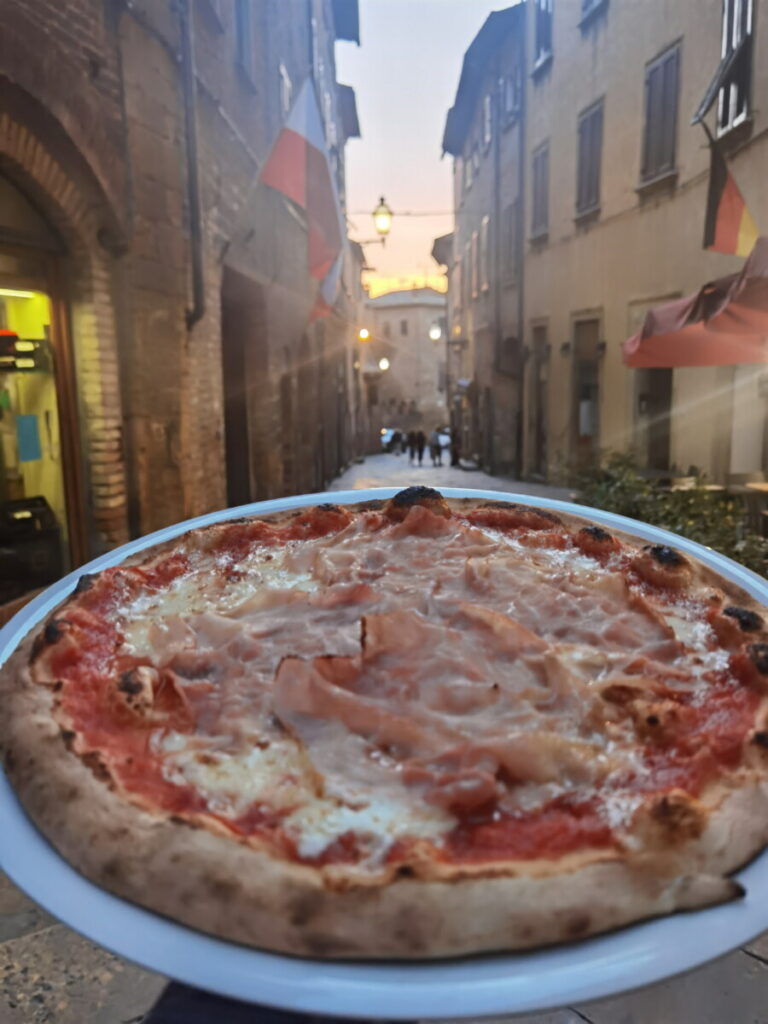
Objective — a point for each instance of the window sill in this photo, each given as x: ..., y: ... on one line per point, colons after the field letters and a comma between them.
x: 658, y: 184
x: 538, y: 239
x: 586, y: 217
x: 541, y: 65
x: 598, y: 7
x: 734, y: 138
x: 511, y: 118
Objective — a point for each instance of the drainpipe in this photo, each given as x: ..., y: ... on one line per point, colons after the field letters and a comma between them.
x: 498, y: 332
x: 189, y: 85
x: 521, y: 222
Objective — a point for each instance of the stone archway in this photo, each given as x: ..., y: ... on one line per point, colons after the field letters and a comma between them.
x: 38, y: 157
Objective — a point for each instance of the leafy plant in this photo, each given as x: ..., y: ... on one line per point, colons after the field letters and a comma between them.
x: 715, y: 519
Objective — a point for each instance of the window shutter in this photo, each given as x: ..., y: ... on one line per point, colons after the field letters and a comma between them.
x: 669, y: 111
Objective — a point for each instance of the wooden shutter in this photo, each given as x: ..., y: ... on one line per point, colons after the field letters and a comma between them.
x: 660, y: 136
x: 540, y: 218
x: 590, y: 146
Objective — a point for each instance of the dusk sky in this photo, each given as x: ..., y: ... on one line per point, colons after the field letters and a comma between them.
x: 405, y: 75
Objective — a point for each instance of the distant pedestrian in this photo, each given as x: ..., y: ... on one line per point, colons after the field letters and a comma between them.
x: 411, y: 446
x: 455, y: 447
x: 435, y: 448
x: 397, y: 442
x: 420, y: 444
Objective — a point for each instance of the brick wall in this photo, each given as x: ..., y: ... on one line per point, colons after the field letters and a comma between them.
x: 92, y: 128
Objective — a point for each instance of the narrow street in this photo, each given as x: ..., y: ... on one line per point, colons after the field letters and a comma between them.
x: 388, y: 470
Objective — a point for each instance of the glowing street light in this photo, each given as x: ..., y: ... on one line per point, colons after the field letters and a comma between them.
x: 435, y: 332
x: 383, y: 364
x: 363, y: 334
x: 382, y: 219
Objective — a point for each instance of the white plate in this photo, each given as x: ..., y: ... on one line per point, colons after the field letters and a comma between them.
x: 488, y: 985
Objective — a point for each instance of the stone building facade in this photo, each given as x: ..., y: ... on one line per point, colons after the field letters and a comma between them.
x: 614, y: 190
x: 188, y: 373
x: 410, y: 392
x: 484, y: 134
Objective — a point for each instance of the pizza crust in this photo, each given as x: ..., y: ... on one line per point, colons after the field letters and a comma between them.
x: 243, y: 894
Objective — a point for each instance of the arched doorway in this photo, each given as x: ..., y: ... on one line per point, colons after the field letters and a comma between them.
x: 42, y: 532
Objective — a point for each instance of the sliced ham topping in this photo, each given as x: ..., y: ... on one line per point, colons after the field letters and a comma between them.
x: 412, y: 669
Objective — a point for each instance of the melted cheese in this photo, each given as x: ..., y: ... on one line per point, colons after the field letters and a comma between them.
x: 426, y: 662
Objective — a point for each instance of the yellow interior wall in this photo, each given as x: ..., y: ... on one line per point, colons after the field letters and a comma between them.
x: 34, y: 394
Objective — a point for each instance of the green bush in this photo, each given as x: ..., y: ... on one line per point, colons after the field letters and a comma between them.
x: 713, y: 518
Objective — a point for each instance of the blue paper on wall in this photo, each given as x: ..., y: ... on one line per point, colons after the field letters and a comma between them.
x: 28, y: 438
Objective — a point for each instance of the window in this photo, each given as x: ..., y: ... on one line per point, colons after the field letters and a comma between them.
x: 404, y: 328
x: 509, y: 241
x: 467, y: 274
x: 286, y: 89
x: 468, y: 172
x: 487, y: 121
x: 540, y: 189
x: 589, y: 154
x: 659, y: 136
x: 733, y: 98
x: 543, y: 35
x: 457, y: 293
x: 244, y: 38
x: 512, y: 92
x: 474, y: 265
x: 386, y: 330
x: 484, y: 254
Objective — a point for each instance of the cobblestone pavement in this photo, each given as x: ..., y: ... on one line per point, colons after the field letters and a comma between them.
x: 396, y: 471
x: 51, y: 975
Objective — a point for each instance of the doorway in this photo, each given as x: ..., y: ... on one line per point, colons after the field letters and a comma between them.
x: 586, y: 393
x: 42, y: 529
x: 539, y: 404
x: 654, y: 407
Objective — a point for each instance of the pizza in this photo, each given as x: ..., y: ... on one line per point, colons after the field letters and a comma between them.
x: 411, y: 728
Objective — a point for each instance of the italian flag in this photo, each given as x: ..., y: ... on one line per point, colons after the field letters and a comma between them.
x: 298, y: 166
x: 729, y: 226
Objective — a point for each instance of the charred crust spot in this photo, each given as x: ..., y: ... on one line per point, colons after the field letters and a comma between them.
x: 58, y: 685
x: 328, y: 506
x: 665, y: 555
x: 304, y: 908
x: 374, y: 505
x: 223, y: 889
x: 508, y: 505
x: 415, y: 496
x: 178, y: 820
x: 405, y: 871
x: 544, y: 513
x: 97, y: 766
x: 54, y: 630
x: 749, y: 621
x: 112, y: 870
x: 761, y: 739
x: 129, y: 683
x: 398, y: 506
x: 652, y: 720
x: 758, y: 655
x: 85, y: 582
x: 678, y: 816
x: 578, y: 925
x: 69, y: 738
x: 595, y: 533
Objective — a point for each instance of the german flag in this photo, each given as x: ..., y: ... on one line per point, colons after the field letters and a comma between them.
x: 729, y: 226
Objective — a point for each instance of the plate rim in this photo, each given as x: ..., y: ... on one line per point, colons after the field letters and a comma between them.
x: 501, y: 983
